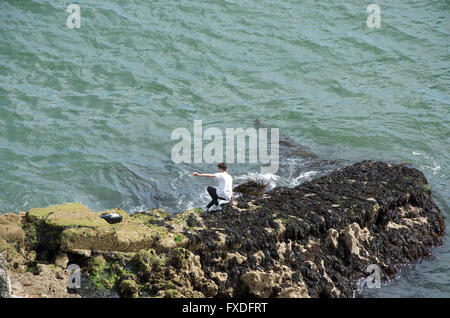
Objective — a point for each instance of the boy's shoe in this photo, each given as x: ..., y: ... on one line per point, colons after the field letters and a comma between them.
x: 221, y: 202
x: 215, y: 208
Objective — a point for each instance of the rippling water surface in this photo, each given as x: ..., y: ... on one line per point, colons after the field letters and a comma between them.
x: 86, y: 114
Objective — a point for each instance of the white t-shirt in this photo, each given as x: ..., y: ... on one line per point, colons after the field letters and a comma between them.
x: 225, y: 185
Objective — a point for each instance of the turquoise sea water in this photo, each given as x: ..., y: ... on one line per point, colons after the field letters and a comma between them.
x: 87, y: 114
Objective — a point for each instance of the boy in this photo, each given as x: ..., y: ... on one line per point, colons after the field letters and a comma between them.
x: 225, y: 190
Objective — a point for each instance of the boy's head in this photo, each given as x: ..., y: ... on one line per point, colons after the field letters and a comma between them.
x: 222, y: 166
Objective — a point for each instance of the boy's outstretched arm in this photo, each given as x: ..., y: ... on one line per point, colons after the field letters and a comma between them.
x: 208, y: 175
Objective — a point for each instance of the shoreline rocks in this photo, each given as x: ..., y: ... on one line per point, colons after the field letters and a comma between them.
x: 314, y: 240
x: 5, y: 282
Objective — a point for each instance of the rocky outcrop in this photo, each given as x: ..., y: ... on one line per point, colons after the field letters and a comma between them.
x: 5, y: 283
x: 251, y: 187
x: 314, y: 240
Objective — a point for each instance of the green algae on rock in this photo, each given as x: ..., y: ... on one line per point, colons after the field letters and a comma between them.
x: 314, y: 240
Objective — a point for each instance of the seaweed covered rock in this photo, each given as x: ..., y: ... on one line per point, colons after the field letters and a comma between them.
x: 324, y: 233
x: 252, y: 187
x: 314, y: 240
x: 129, y: 288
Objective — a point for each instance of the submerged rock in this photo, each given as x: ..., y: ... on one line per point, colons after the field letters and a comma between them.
x: 314, y: 240
x: 252, y: 187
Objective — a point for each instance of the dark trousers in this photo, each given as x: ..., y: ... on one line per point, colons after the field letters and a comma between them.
x: 215, y: 198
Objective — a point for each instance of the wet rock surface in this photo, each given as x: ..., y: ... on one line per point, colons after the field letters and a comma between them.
x: 252, y: 187
x: 314, y: 240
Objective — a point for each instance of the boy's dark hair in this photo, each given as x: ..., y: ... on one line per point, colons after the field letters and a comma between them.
x: 222, y: 165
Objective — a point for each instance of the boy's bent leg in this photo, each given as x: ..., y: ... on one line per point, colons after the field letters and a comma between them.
x: 213, y: 193
x: 210, y: 204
